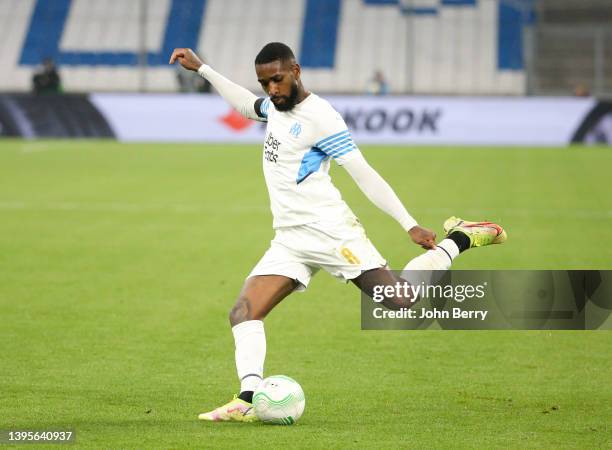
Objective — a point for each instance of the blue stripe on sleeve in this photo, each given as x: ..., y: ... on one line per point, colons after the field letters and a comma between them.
x: 337, y: 144
x: 328, y: 139
x: 333, y: 149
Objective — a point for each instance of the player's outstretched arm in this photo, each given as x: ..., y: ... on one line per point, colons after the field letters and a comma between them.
x: 241, y: 99
x: 382, y: 195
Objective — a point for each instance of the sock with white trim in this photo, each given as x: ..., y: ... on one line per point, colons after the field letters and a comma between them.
x: 438, y: 259
x: 250, y: 340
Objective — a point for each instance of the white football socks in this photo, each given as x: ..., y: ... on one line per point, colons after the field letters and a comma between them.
x: 250, y: 340
x: 438, y: 259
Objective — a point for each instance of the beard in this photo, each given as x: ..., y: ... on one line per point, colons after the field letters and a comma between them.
x: 288, y: 102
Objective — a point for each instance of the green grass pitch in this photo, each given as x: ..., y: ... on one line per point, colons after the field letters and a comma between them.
x: 119, y: 263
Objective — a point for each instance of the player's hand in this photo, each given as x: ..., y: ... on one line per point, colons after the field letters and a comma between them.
x: 186, y: 58
x: 423, y: 237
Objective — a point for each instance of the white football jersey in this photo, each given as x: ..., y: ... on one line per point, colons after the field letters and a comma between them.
x: 298, y: 148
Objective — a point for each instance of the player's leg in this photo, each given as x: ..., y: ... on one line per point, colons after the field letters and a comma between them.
x: 460, y: 236
x: 278, y: 273
x: 259, y: 295
x: 369, y: 280
x: 257, y: 298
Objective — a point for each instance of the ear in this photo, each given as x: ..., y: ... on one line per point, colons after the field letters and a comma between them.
x: 296, y: 70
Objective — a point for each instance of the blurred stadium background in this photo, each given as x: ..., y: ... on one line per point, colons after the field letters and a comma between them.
x: 547, y: 51
x: 467, y: 47
x: 121, y: 251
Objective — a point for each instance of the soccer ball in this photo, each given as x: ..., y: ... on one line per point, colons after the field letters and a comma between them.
x: 279, y: 399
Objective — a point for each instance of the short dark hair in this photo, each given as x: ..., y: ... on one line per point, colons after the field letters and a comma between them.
x: 274, y: 51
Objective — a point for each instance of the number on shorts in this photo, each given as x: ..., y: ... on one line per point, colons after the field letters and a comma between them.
x: 348, y: 255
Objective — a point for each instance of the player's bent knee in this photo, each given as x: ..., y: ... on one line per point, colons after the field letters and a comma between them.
x: 244, y: 310
x: 239, y: 312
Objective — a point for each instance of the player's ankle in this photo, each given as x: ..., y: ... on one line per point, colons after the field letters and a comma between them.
x: 247, y: 396
x: 461, y: 239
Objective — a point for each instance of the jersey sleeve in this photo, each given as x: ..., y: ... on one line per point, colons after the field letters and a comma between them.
x: 241, y: 99
x: 262, y: 108
x: 334, y: 138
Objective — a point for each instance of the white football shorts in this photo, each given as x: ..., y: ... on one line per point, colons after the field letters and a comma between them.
x: 340, y: 247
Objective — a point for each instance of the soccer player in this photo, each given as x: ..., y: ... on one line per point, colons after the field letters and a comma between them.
x: 314, y: 227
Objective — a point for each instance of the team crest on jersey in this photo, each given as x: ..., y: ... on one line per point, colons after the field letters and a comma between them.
x: 295, y: 129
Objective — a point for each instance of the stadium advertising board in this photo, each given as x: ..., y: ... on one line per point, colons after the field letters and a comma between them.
x: 372, y: 120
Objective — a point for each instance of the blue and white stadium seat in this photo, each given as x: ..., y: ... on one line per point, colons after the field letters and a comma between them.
x: 422, y: 46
